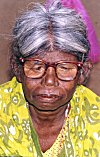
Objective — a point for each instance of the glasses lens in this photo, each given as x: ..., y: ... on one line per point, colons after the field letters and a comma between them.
x: 66, y: 71
x: 34, y: 69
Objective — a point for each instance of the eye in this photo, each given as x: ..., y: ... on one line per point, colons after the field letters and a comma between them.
x: 37, y: 67
x: 66, y: 66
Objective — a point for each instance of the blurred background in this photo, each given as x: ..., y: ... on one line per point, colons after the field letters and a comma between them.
x: 11, y: 9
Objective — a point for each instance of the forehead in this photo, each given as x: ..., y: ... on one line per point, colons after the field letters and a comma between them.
x: 55, y: 56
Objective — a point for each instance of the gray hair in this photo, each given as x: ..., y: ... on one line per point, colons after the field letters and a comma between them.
x: 57, y: 27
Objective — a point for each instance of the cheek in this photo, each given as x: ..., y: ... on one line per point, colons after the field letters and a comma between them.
x: 28, y: 87
x: 69, y: 88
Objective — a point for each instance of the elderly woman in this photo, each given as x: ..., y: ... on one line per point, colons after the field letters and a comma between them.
x: 44, y: 109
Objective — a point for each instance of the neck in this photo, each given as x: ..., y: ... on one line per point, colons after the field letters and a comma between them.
x: 48, y: 117
x: 48, y: 124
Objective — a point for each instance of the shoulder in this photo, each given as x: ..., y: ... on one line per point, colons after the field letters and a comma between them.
x: 87, y: 95
x: 85, y: 106
x: 9, y: 87
x: 13, y: 119
x: 9, y: 94
x: 10, y: 84
x: 88, y: 103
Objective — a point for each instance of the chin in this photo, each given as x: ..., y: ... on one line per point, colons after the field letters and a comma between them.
x: 44, y: 106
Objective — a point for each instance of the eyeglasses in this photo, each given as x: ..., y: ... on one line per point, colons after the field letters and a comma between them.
x: 66, y: 71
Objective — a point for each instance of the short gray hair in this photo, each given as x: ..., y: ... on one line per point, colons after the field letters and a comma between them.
x: 66, y: 28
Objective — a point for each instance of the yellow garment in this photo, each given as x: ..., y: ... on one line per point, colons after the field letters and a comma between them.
x: 18, y: 138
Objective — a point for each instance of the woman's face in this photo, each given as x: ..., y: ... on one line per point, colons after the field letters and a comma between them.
x: 49, y: 93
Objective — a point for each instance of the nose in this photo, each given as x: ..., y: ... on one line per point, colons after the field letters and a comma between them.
x: 50, y: 78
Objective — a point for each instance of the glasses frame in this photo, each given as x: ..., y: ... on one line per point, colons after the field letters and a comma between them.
x: 54, y: 65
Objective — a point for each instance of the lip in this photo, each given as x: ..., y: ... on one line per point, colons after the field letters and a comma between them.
x: 47, y: 98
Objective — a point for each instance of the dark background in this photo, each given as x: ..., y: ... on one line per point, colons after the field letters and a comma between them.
x: 9, y: 11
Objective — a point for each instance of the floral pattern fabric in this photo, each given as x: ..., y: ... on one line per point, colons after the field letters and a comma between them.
x: 18, y: 137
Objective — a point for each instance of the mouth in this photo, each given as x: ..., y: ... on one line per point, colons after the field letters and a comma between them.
x: 47, y: 98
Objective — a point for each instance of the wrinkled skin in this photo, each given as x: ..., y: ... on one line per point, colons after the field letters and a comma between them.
x: 49, y: 93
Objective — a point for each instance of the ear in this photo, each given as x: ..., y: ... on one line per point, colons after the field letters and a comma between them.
x: 85, y: 72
